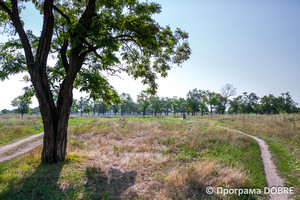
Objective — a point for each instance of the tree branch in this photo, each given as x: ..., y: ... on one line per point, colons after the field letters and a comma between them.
x: 90, y: 49
x: 46, y: 36
x: 88, y: 14
x: 62, y: 13
x: 14, y: 15
x: 9, y: 12
x: 63, y: 53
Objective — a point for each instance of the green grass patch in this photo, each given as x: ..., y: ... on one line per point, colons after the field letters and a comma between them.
x: 282, y: 134
x: 12, y: 129
x: 72, y: 179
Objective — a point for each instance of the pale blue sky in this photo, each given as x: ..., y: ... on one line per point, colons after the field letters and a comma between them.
x: 253, y: 44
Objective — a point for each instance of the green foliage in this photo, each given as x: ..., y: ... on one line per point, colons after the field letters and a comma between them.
x: 101, y: 107
x: 196, y: 101
x: 156, y: 104
x: 96, y: 86
x: 12, y: 60
x: 4, y: 111
x: 22, y: 103
x: 143, y: 101
x: 127, y: 106
x: 268, y: 104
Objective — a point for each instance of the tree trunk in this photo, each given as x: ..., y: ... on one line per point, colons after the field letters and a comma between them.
x: 55, y: 140
x: 55, y: 120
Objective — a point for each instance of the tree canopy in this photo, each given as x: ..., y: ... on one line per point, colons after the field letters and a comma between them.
x: 108, y: 37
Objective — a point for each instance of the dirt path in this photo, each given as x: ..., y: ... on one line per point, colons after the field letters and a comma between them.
x: 270, y: 169
x: 10, y: 151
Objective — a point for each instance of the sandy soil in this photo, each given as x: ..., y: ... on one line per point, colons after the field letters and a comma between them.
x: 10, y: 151
x: 272, y: 177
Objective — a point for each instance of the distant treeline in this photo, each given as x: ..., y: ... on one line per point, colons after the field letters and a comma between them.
x: 32, y: 111
x: 196, y: 102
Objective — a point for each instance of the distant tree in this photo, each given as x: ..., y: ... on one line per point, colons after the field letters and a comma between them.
x: 227, y: 91
x: 220, y: 104
x: 143, y: 101
x: 102, y: 107
x: 175, y: 106
x: 88, y: 109
x: 75, y: 106
x: 236, y: 104
x: 128, y: 105
x: 203, y: 107
x: 193, y: 100
x: 22, y: 103
x: 252, y: 103
x: 289, y: 105
x: 35, y: 110
x: 94, y: 107
x: 167, y: 107
x: 115, y: 108
x: 134, y: 108
x: 203, y: 102
x: 155, y: 104
x: 267, y: 104
x: 182, y: 105
x: 211, y: 100
x: 82, y: 103
x: 5, y: 111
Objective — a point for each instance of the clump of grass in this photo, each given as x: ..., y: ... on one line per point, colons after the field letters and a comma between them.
x: 193, y: 179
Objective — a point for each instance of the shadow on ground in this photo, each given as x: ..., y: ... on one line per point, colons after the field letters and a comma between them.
x: 50, y: 182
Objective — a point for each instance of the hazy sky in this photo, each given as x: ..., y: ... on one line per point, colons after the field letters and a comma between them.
x: 252, y: 44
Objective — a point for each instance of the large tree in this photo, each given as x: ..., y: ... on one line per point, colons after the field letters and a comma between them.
x: 193, y: 100
x: 90, y: 39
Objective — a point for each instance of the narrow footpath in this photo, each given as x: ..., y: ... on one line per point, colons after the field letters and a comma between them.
x: 272, y: 177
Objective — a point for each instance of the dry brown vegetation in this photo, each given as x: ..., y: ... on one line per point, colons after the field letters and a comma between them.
x: 139, y: 158
x: 137, y: 146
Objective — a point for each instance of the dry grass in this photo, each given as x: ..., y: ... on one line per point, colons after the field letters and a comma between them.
x: 192, y: 180
x: 138, y: 146
x: 138, y: 159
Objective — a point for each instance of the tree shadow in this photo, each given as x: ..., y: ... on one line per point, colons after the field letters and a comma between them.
x: 109, y: 185
x: 52, y: 182
x: 38, y: 185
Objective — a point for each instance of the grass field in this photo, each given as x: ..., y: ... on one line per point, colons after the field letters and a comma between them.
x: 282, y: 134
x: 144, y: 158
x: 13, y: 128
